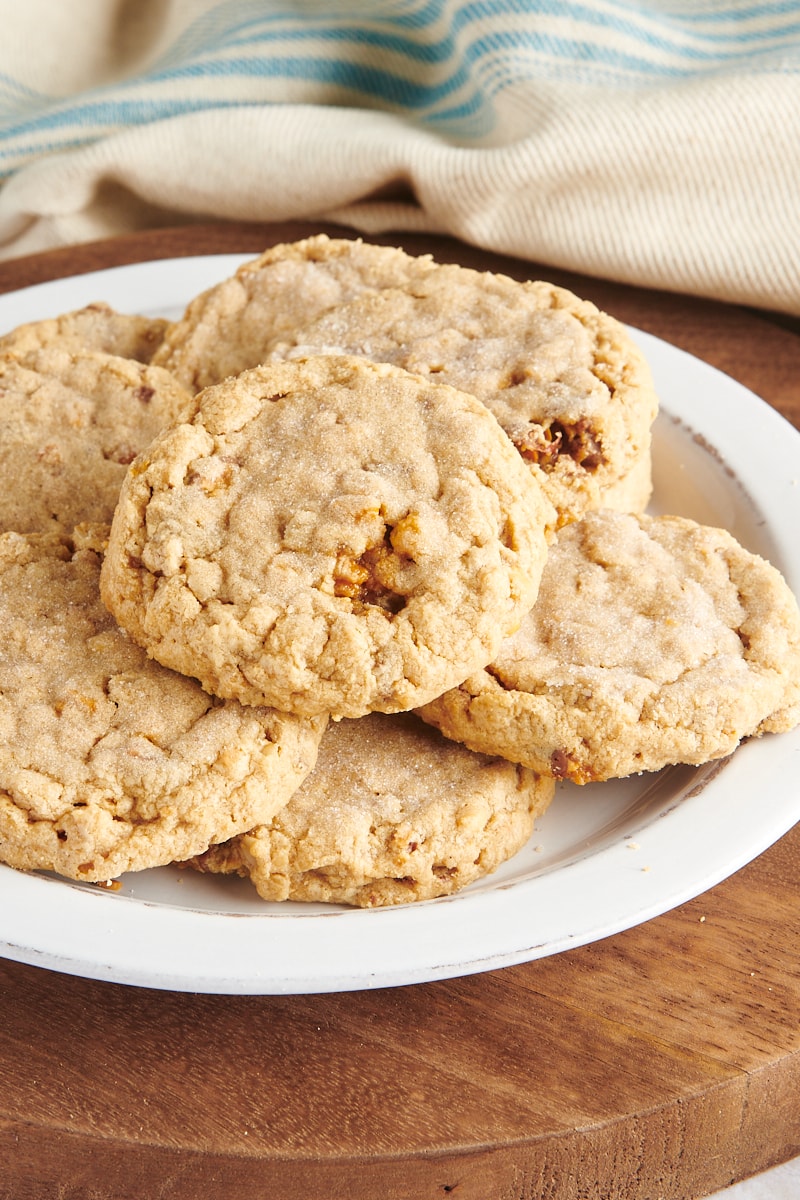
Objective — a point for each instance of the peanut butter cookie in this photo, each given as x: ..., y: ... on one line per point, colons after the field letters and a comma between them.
x: 95, y: 327
x: 327, y: 536
x: 652, y: 641
x: 393, y: 812
x: 565, y: 380
x: 230, y: 327
x: 70, y: 423
x: 108, y: 761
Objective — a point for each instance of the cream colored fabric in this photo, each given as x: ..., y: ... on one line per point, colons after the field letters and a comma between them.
x: 658, y: 144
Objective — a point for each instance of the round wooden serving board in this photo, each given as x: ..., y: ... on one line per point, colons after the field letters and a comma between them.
x: 659, y: 1064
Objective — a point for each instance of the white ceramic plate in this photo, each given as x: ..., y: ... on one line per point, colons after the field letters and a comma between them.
x: 603, y: 858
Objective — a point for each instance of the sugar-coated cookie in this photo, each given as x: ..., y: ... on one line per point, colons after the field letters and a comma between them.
x: 327, y: 536
x: 565, y: 380
x: 70, y: 423
x: 392, y: 812
x: 652, y: 641
x: 231, y: 326
x: 95, y: 327
x: 108, y: 761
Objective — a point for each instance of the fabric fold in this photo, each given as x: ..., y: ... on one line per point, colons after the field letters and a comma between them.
x: 657, y: 145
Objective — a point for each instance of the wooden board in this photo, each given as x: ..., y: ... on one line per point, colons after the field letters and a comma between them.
x: 660, y: 1064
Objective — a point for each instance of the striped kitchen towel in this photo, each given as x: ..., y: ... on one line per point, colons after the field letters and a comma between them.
x: 651, y: 141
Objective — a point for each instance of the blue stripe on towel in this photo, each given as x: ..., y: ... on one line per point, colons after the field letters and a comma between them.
x: 441, y: 63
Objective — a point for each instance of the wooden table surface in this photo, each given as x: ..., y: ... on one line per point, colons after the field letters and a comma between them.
x: 659, y: 1064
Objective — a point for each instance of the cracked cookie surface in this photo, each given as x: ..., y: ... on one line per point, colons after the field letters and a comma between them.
x: 393, y: 812
x: 565, y: 380
x: 230, y: 327
x: 70, y: 423
x: 653, y: 641
x: 327, y: 536
x: 96, y: 327
x: 108, y: 761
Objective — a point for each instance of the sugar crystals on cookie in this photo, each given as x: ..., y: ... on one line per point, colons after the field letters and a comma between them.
x: 392, y: 812
x: 108, y: 761
x: 653, y: 640
x: 566, y: 381
x: 328, y: 535
x: 230, y: 327
x: 96, y: 327
x: 70, y: 423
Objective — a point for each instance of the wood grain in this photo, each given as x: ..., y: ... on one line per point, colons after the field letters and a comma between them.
x: 660, y: 1064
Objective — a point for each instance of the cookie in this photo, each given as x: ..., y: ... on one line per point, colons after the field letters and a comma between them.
x: 327, y: 536
x: 392, y: 813
x: 652, y: 641
x: 95, y: 327
x: 565, y: 380
x: 108, y: 761
x: 632, y: 492
x: 230, y: 327
x: 70, y: 423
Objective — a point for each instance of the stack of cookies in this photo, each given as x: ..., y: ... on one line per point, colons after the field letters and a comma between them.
x: 329, y: 582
